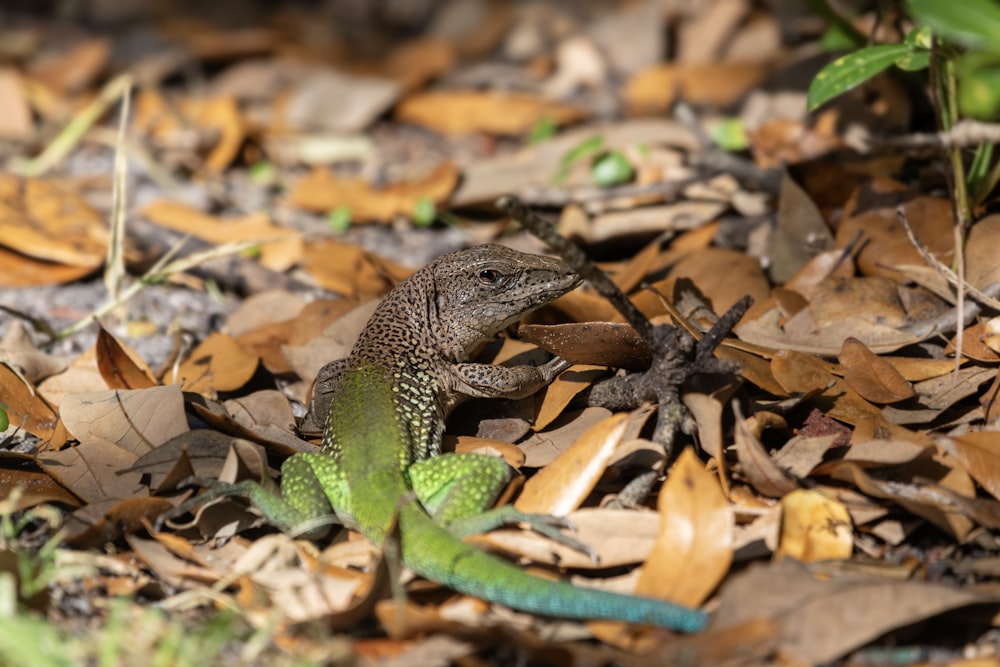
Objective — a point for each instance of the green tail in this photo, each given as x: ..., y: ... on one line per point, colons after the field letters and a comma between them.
x: 435, y: 554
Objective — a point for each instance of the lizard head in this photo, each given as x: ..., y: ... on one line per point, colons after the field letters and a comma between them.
x: 481, y: 290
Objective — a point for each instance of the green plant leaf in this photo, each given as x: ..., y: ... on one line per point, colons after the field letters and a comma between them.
x: 851, y: 70
x: 424, y: 212
x: 543, y: 130
x: 612, y: 168
x: 585, y: 148
x: 730, y: 135
x: 979, y: 91
x: 339, y: 219
x: 968, y: 22
x: 914, y: 61
x: 4, y: 419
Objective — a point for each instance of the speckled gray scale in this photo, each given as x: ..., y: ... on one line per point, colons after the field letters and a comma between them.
x: 424, y: 330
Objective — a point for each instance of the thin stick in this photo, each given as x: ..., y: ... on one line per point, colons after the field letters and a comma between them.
x: 579, y: 262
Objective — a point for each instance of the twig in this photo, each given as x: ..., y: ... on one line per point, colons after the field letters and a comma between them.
x: 70, y: 136
x: 949, y: 275
x: 963, y: 134
x: 580, y: 263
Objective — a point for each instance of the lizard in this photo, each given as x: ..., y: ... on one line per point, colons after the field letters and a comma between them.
x: 381, y: 459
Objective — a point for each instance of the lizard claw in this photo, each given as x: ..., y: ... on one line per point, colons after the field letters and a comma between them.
x: 552, y: 526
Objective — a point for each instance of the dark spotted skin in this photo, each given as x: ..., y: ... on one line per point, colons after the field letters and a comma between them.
x: 425, y: 329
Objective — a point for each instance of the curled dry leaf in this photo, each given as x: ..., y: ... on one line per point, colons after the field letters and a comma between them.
x: 28, y: 410
x: 120, y: 366
x: 759, y: 468
x: 814, y: 527
x: 694, y: 546
x: 873, y: 378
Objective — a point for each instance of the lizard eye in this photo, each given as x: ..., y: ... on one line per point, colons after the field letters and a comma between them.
x: 490, y: 277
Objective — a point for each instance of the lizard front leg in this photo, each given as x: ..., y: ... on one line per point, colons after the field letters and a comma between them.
x: 487, y: 381
x: 458, y: 490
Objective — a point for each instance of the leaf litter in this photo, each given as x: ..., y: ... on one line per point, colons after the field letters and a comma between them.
x: 852, y: 441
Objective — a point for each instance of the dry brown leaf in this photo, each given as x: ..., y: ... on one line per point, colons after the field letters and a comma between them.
x: 464, y: 112
x: 591, y: 343
x: 136, y: 420
x: 871, y: 212
x: 800, y: 234
x: 814, y: 527
x: 822, y: 619
x: 694, y: 546
x: 96, y: 470
x: 217, y: 364
x: 724, y: 276
x: 15, y: 115
x: 21, y: 471
x: 217, y: 119
x: 936, y: 395
x: 654, y: 90
x: 74, y: 69
x: 416, y: 62
x: 874, y: 379
x: 981, y: 268
x: 582, y: 306
x: 801, y: 373
x: 23, y: 271
x: 759, y: 468
x: 27, y: 409
x: 490, y: 446
x: 873, y: 299
x: 561, y: 392
x: 542, y: 448
x: 920, y: 499
x: 280, y: 249
x: 802, y: 454
x: 563, y: 484
x: 780, y: 141
x: 322, y: 192
x: 47, y: 219
x: 345, y: 269
x: 829, y: 264
x: 975, y: 344
x: 767, y: 331
x: 619, y: 537
x: 19, y: 351
x: 979, y: 454
x: 120, y: 366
